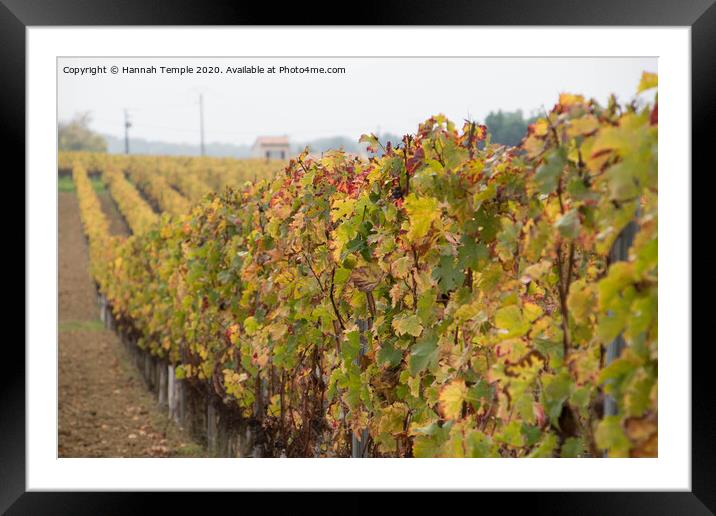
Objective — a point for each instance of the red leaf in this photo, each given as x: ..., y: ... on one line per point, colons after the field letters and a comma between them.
x: 654, y: 117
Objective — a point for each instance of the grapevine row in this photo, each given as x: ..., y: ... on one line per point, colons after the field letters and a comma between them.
x: 96, y: 226
x: 187, y: 181
x: 453, y: 297
x: 158, y: 189
x: 135, y: 210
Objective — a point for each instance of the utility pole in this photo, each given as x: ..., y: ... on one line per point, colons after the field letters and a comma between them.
x: 127, y: 125
x: 201, y: 121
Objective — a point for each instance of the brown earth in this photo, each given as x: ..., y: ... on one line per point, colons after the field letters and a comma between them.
x: 117, y: 224
x: 105, y: 409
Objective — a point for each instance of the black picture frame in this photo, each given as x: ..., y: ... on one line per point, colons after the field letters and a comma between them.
x: 699, y: 15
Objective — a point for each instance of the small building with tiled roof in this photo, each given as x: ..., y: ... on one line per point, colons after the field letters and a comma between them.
x: 271, y: 147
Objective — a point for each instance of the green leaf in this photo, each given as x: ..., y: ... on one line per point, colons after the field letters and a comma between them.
x: 531, y: 434
x: 545, y: 449
x: 448, y: 274
x: 409, y: 324
x: 557, y: 389
x: 547, y: 176
x: 480, y: 445
x: 350, y: 347
x: 648, y: 256
x: 568, y: 224
x: 454, y: 154
x: 616, y: 370
x: 423, y: 353
x: 620, y: 275
x: 430, y: 440
x: 610, y: 436
x: 388, y: 355
x: 512, y: 435
x: 479, y: 392
x: 371, y: 140
x: 180, y: 372
x: 426, y: 306
x: 251, y: 325
x: 341, y: 276
x: 637, y: 392
x: 487, y: 223
x: 573, y: 447
x: 470, y: 253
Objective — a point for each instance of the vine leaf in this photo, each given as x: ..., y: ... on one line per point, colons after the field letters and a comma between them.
x: 648, y: 80
x: 548, y: 172
x: 452, y: 397
x: 568, y: 224
x: 423, y: 211
x: 409, y: 324
x: 511, y: 321
x: 423, y: 353
x: 448, y: 274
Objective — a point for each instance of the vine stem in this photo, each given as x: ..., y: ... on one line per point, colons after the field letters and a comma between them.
x: 333, y: 301
x: 563, y: 289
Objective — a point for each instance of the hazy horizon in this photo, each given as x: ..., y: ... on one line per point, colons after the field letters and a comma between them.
x: 387, y: 95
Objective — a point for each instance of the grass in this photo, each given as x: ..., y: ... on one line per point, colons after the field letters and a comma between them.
x: 190, y: 450
x: 93, y: 325
x: 66, y: 184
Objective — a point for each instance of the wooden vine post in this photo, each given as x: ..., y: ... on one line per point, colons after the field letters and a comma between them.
x: 619, y: 252
x: 359, y: 445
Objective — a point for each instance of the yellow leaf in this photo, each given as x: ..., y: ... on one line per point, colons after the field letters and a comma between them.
x: 341, y: 208
x: 627, y: 137
x: 422, y: 212
x: 393, y: 418
x: 532, y: 311
x: 401, y: 267
x: 396, y: 293
x: 274, y: 408
x: 595, y: 161
x: 533, y: 145
x: 567, y: 99
x: 541, y: 127
x: 452, y: 397
x: 277, y: 331
x: 536, y: 270
x: 648, y: 80
x: 582, y: 126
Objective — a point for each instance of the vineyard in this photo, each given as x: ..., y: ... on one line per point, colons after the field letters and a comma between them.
x: 447, y: 297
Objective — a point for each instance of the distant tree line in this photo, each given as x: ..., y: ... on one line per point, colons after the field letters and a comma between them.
x: 76, y: 135
x: 507, y: 127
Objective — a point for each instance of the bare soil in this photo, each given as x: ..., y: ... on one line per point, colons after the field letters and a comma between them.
x: 105, y: 410
x: 117, y: 224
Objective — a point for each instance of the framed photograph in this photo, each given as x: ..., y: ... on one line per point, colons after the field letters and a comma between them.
x: 257, y: 251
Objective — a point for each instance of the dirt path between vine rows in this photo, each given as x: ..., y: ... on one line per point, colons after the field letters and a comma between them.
x: 105, y: 410
x: 117, y: 225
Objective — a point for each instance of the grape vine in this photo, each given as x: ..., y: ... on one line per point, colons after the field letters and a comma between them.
x: 452, y: 296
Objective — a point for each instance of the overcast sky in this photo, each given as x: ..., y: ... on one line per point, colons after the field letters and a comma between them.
x: 375, y: 94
